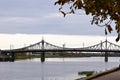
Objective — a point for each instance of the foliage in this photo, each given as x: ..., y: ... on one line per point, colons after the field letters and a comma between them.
x: 103, y: 11
x: 87, y: 73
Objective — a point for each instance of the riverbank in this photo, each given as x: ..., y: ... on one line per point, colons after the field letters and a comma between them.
x: 112, y: 74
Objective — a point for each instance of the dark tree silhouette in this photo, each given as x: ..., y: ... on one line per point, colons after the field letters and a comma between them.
x: 103, y: 11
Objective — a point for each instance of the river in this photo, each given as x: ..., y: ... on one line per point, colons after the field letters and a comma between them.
x: 54, y: 68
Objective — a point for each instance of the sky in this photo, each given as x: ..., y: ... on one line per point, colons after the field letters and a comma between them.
x: 28, y: 18
x: 16, y: 41
x: 42, y: 17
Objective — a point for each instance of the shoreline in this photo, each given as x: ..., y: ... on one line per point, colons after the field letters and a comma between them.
x: 107, y: 72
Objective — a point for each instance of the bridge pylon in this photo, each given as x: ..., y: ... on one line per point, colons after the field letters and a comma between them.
x: 43, y: 53
x: 106, y: 53
x: 12, y: 56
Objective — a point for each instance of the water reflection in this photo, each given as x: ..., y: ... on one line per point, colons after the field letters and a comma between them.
x: 53, y: 68
x: 42, y: 70
x: 82, y: 59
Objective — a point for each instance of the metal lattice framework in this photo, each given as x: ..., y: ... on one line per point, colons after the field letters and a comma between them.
x: 104, y: 45
x: 41, y: 45
x: 104, y: 48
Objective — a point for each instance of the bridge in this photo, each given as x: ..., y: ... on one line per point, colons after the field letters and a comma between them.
x: 104, y: 48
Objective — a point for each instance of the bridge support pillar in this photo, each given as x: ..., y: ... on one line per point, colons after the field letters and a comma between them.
x: 43, y: 56
x: 106, y: 56
x: 12, y: 57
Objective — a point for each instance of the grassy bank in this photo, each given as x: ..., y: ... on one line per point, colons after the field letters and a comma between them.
x: 87, y: 73
x: 100, y: 74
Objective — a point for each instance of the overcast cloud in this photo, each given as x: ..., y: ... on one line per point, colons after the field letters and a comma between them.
x: 42, y: 17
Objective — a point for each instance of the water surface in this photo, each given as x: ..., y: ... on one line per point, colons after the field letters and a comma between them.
x: 53, y: 68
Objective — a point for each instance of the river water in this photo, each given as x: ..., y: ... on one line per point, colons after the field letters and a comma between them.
x: 54, y: 68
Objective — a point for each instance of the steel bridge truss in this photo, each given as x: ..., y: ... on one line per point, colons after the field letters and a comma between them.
x: 106, y: 45
x: 41, y: 45
x: 103, y: 48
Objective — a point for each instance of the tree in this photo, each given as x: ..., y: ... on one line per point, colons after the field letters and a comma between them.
x: 103, y: 11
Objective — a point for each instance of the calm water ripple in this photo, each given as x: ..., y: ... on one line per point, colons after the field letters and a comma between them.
x: 53, y: 69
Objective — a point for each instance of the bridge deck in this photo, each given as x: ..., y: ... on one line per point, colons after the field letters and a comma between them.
x: 60, y: 50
